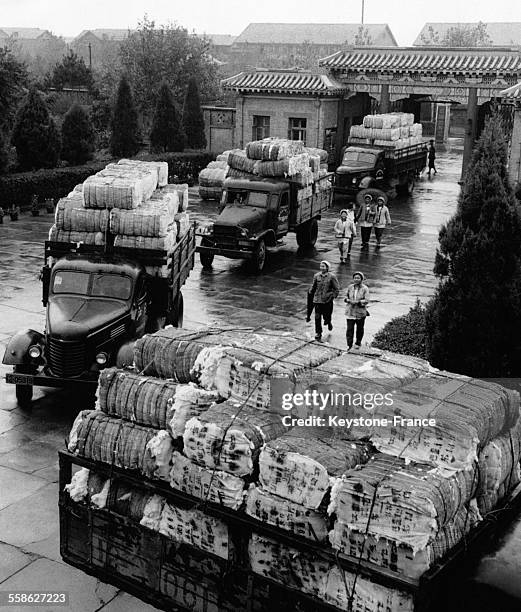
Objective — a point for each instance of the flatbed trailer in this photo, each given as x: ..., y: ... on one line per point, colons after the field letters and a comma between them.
x: 174, y: 576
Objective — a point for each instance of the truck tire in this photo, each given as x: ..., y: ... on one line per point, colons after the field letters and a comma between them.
x: 259, y: 256
x: 24, y: 393
x: 307, y: 233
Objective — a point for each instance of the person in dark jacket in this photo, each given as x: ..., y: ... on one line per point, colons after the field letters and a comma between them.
x: 357, y: 298
x: 324, y: 290
x: 432, y: 157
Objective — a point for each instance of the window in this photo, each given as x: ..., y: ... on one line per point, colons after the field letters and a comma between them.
x: 297, y: 129
x: 111, y: 286
x: 260, y: 127
x: 71, y: 282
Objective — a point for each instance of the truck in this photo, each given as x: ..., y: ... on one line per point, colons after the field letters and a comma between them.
x: 382, y: 167
x: 99, y: 300
x: 257, y: 212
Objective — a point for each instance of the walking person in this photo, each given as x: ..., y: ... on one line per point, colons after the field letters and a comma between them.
x: 345, y: 231
x: 432, y: 157
x: 382, y: 219
x: 365, y: 219
x: 357, y: 298
x: 323, y: 291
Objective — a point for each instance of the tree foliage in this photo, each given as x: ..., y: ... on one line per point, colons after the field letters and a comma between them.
x: 460, y: 35
x: 35, y: 135
x: 404, y: 334
x: 167, y: 133
x: 193, y: 121
x: 473, y: 319
x: 4, y: 156
x: 13, y: 78
x: 78, y: 138
x: 125, y: 130
x: 46, y: 53
x: 165, y: 53
x: 71, y: 71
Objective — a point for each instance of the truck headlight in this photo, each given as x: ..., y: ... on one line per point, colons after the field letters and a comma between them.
x: 101, y: 358
x: 244, y: 232
x: 35, y: 351
x: 354, y: 181
x: 206, y: 230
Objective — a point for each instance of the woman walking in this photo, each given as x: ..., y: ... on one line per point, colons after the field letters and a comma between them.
x: 357, y: 298
x: 365, y: 218
x: 323, y: 291
x: 345, y: 231
x: 432, y: 157
x: 382, y: 219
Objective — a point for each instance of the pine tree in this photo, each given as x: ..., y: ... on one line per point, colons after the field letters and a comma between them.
x: 77, y: 136
x: 473, y: 320
x: 166, y: 133
x: 35, y: 135
x: 125, y: 133
x: 193, y: 122
x: 4, y: 157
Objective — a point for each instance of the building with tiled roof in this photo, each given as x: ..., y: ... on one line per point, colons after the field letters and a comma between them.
x: 284, y: 82
x: 496, y: 34
x: 32, y: 42
x: 300, y: 45
x: 95, y: 45
x: 22, y: 33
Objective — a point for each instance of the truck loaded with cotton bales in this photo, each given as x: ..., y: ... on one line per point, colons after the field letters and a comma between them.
x: 117, y: 256
x: 246, y: 469
x: 273, y: 187
x: 386, y: 152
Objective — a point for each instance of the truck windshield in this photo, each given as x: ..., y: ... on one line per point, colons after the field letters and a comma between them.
x: 257, y: 198
x: 103, y: 285
x: 364, y: 157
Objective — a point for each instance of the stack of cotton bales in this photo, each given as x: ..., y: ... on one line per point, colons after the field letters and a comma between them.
x: 129, y: 204
x: 390, y: 129
x: 211, y: 178
x: 398, y: 494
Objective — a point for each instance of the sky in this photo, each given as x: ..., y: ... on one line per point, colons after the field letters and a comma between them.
x: 405, y: 18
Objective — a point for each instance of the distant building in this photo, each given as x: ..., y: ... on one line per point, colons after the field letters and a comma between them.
x: 30, y: 41
x: 300, y: 45
x: 94, y: 45
x: 497, y: 34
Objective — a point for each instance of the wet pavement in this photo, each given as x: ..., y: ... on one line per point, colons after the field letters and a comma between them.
x: 226, y: 294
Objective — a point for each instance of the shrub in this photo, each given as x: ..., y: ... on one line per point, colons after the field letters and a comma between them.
x: 405, y: 334
x: 124, y: 140
x: 4, y: 155
x: 17, y: 189
x: 35, y: 135
x: 77, y: 136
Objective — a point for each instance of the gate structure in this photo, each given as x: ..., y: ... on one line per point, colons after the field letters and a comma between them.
x: 471, y: 76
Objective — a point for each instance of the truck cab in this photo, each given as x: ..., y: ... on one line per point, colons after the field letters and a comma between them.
x: 360, y: 168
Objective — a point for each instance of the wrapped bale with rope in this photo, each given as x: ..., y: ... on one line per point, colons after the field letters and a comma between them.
x: 239, y: 161
x: 57, y: 235
x: 182, y: 193
x: 90, y: 487
x: 71, y: 216
x: 213, y: 486
x: 211, y: 182
x: 140, y: 399
x: 405, y: 502
x: 274, y: 149
x: 97, y: 436
x: 153, y: 218
x: 160, y: 167
x: 229, y: 437
x: 189, y: 401
x: 124, y: 188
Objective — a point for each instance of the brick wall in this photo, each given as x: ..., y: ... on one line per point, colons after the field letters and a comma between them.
x: 514, y: 162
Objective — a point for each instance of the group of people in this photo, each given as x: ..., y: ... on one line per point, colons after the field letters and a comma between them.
x: 371, y: 214
x: 324, y: 290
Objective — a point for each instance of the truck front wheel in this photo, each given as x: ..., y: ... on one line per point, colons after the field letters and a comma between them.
x: 176, y: 313
x: 307, y: 233
x: 259, y: 256
x: 24, y: 393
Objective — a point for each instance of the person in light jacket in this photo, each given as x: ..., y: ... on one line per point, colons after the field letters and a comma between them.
x: 357, y: 298
x: 365, y: 218
x: 382, y: 220
x: 345, y: 231
x: 323, y: 291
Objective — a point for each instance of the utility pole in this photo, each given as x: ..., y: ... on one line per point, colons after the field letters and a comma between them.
x: 363, y: 7
x: 90, y: 55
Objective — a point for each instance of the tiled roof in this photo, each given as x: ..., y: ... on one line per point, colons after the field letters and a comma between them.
x: 500, y: 34
x: 413, y: 60
x: 221, y: 40
x: 284, y: 82
x: 512, y: 93
x: 27, y: 33
x: 315, y: 33
x: 106, y: 34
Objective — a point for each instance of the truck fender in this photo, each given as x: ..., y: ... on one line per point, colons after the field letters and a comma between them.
x: 269, y: 237
x: 16, y: 352
x: 366, y: 182
x: 125, y: 354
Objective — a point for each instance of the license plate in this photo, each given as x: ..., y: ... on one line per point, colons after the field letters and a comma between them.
x: 19, y: 379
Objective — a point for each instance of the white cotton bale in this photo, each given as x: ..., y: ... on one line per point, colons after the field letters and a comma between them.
x: 182, y: 192
x: 153, y: 218
x: 182, y: 222
x: 162, y: 243
x: 57, y: 235
x: 214, y: 486
x: 160, y: 449
x: 287, y: 515
x: 78, y: 487
x: 189, y: 401
x: 197, y: 529
x: 152, y: 512
x: 160, y: 167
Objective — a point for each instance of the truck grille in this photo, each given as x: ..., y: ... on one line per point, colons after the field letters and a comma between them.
x: 225, y: 236
x: 67, y: 359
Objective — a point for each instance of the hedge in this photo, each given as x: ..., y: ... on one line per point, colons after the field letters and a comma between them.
x: 18, y: 189
x: 405, y: 334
